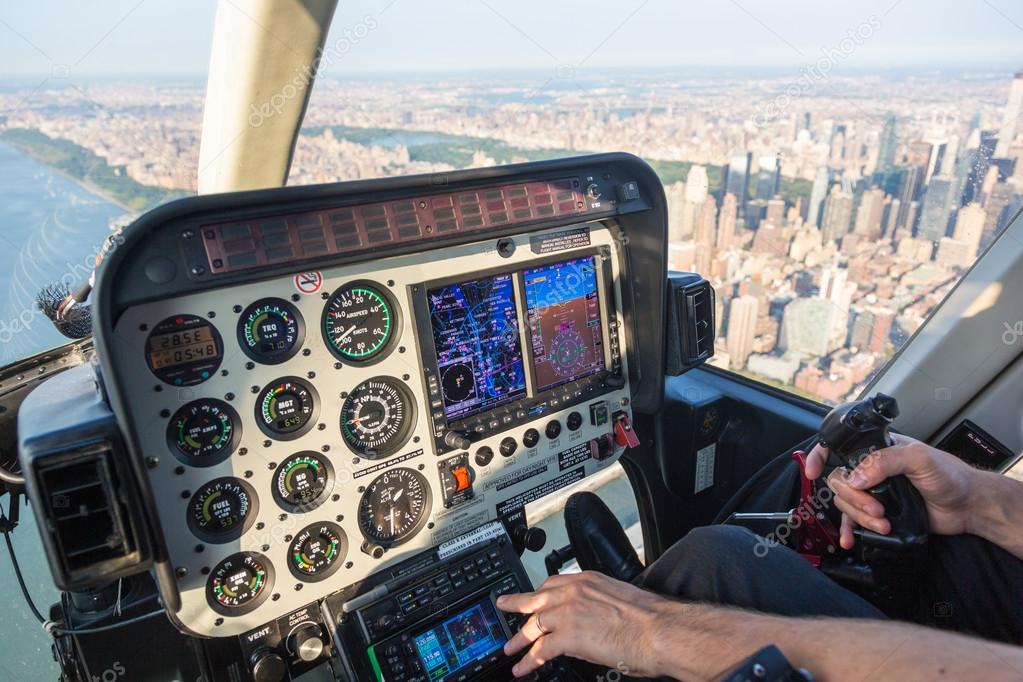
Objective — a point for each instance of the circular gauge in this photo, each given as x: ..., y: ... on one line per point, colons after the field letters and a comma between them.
x: 204, y: 432
x: 184, y: 350
x: 376, y: 417
x: 302, y: 482
x: 239, y: 583
x: 568, y: 352
x: 270, y: 331
x: 394, y: 507
x: 222, y: 510
x: 286, y: 408
x: 359, y: 323
x: 317, y: 551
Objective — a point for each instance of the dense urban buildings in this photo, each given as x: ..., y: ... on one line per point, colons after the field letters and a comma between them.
x: 830, y: 223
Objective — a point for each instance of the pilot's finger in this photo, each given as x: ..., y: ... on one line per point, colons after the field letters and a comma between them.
x: 543, y: 650
x: 887, y: 462
x: 525, y: 602
x: 815, y: 461
x: 838, y: 481
x: 529, y: 633
x: 863, y: 519
x: 845, y: 533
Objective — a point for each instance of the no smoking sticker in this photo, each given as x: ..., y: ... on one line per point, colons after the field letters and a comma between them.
x: 308, y: 282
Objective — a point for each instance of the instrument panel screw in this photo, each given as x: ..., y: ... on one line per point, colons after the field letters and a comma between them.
x: 295, y: 298
x: 348, y: 564
x: 260, y: 526
x: 179, y: 471
x: 355, y: 460
x: 306, y: 352
x: 430, y: 525
x: 298, y: 587
x: 282, y: 517
x: 401, y: 349
x: 321, y: 427
x: 229, y: 396
x: 200, y: 548
x: 254, y: 389
x: 287, y: 538
x: 325, y: 448
x: 237, y: 308
x: 185, y: 494
x: 324, y: 295
x: 271, y: 465
x: 211, y: 314
x: 362, y: 488
x: 267, y: 444
x: 275, y: 596
x: 143, y: 327
x: 311, y: 375
x: 164, y: 413
x: 248, y: 474
x: 152, y: 462
x: 405, y: 377
x: 339, y: 518
x: 250, y: 365
x: 205, y: 570
x: 224, y: 372
x: 415, y: 439
x: 422, y: 466
x: 181, y: 572
x: 218, y: 622
x: 344, y: 394
x: 335, y: 497
x: 623, y: 402
x: 158, y: 388
x: 337, y: 365
x: 266, y: 548
x: 242, y: 452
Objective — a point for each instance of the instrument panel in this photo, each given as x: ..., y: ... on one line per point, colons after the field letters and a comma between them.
x: 305, y: 430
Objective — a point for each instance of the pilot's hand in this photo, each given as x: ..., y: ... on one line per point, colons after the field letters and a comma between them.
x: 588, y: 616
x: 945, y: 482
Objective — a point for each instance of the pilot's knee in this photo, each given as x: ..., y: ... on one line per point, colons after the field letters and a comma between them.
x: 719, y: 540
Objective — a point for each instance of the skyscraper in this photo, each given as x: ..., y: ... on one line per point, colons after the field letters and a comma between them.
x: 870, y: 213
x: 737, y: 180
x: 888, y: 144
x: 818, y: 193
x: 1012, y: 121
x: 726, y: 223
x: 705, y: 224
x: 742, y: 325
x: 936, y: 210
x: 838, y: 208
x: 970, y: 228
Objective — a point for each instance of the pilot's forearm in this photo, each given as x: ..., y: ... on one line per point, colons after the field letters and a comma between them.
x: 704, y: 641
x: 996, y: 509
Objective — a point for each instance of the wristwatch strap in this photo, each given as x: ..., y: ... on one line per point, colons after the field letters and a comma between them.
x: 767, y: 665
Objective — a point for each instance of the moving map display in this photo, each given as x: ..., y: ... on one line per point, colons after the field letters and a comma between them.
x: 563, y: 313
x: 459, y: 641
x: 476, y: 337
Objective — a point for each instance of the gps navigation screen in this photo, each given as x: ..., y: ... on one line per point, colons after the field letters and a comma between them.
x: 476, y: 336
x: 463, y: 639
x: 563, y: 313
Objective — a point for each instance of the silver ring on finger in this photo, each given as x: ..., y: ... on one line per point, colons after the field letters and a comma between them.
x: 539, y: 625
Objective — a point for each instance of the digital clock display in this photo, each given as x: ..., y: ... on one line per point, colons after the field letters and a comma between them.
x: 184, y: 350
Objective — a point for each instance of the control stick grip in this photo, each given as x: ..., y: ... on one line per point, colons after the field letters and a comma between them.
x: 852, y: 432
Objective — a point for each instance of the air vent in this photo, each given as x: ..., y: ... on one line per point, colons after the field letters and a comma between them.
x: 690, y: 322
x: 85, y: 519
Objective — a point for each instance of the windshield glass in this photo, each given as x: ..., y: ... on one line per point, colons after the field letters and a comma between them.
x: 833, y: 169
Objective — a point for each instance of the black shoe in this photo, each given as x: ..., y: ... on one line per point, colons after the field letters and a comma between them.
x: 599, y: 542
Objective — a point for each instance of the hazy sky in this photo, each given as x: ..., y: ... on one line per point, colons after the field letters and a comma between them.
x: 124, y: 37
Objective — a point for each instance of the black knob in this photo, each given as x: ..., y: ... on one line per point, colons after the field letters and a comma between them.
x: 457, y: 440
x: 306, y: 643
x: 532, y: 539
x: 530, y: 438
x: 268, y: 667
x: 574, y: 421
x: 553, y: 429
x: 508, y: 447
x: 484, y: 455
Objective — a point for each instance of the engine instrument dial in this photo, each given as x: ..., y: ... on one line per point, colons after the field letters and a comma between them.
x: 317, y: 551
x: 239, y: 583
x: 394, y: 507
x: 222, y: 510
x: 302, y: 482
x: 270, y: 331
x: 204, y: 432
x: 377, y: 417
x: 359, y: 323
x: 287, y: 408
x: 184, y: 350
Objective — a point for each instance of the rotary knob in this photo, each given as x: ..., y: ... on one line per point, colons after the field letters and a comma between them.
x: 508, y: 447
x: 268, y: 666
x: 306, y: 643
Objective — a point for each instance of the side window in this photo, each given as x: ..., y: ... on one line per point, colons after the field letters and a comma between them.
x: 826, y: 262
